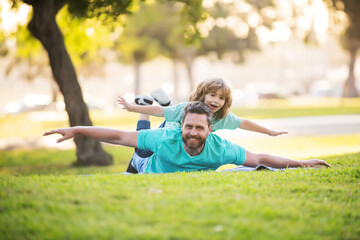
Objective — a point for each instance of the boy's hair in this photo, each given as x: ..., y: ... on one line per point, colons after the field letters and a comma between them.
x: 212, y: 85
x: 199, y: 108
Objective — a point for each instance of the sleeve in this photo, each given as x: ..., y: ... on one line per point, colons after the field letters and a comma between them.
x: 174, y: 113
x: 231, y: 121
x: 235, y: 154
x: 149, y: 139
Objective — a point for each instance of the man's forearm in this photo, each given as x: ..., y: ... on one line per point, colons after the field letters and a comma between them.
x: 114, y: 136
x: 256, y: 159
x: 100, y: 133
x: 279, y: 162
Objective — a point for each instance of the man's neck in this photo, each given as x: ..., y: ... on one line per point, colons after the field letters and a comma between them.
x: 193, y: 151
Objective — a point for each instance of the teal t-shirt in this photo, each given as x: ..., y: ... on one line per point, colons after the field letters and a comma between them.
x: 173, y: 117
x: 170, y: 156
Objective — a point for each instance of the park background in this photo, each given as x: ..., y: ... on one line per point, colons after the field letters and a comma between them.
x: 291, y: 64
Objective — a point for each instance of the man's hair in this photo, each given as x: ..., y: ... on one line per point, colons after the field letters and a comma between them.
x: 211, y: 85
x: 198, y: 108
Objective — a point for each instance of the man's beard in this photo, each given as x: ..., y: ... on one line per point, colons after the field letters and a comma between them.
x: 193, y: 146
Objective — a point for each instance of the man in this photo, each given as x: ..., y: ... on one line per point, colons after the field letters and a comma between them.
x: 193, y: 147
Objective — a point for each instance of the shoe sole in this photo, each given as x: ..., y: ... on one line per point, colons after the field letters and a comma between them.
x: 161, y: 97
x: 143, y: 100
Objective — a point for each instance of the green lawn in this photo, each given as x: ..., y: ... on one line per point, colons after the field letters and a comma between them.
x: 292, y: 204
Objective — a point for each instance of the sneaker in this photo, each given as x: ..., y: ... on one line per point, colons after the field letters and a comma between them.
x: 161, y: 97
x: 143, y: 100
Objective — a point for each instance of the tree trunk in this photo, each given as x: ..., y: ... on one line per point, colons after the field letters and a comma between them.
x: 188, y: 58
x: 176, y: 97
x: 137, y: 66
x: 44, y: 27
x: 350, y: 86
x: 188, y: 66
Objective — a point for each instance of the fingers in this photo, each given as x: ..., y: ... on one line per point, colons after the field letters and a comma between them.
x: 325, y: 163
x: 281, y: 133
x: 322, y: 162
x: 318, y: 163
x: 61, y: 139
x: 50, y: 132
x: 121, y: 100
x: 278, y: 133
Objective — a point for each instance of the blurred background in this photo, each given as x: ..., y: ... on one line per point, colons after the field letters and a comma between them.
x: 265, y: 49
x: 302, y: 52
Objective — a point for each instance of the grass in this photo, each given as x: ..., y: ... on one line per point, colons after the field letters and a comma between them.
x: 292, y: 204
x: 55, y: 161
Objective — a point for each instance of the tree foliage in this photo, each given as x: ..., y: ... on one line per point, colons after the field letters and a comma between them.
x: 45, y: 27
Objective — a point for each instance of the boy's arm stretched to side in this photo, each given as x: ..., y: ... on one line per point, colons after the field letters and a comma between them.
x: 251, y: 126
x: 108, y: 135
x: 157, y: 111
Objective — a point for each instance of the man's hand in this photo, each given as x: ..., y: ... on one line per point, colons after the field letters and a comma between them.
x: 66, y: 133
x: 316, y: 163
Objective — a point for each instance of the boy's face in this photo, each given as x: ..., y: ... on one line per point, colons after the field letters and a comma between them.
x: 194, y: 130
x: 215, y: 100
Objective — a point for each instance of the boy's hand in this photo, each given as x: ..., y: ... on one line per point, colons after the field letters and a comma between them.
x: 66, y: 133
x: 277, y: 133
x: 125, y: 105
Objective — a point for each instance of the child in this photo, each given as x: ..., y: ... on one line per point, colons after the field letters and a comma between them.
x: 214, y: 92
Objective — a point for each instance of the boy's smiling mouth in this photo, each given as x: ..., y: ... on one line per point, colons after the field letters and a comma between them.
x: 213, y: 106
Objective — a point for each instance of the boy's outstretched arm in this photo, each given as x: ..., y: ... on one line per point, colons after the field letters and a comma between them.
x: 108, y: 135
x: 251, y: 126
x: 157, y: 111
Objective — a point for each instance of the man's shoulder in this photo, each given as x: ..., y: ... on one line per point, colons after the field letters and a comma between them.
x: 213, y: 138
x: 168, y: 132
x: 150, y: 138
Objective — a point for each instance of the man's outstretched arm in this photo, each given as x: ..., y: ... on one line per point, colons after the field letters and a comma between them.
x: 108, y: 135
x: 256, y: 159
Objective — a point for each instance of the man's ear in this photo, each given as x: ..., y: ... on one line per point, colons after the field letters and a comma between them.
x: 210, y: 127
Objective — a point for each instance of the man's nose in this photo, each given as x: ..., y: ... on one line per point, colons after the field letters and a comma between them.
x: 193, y: 132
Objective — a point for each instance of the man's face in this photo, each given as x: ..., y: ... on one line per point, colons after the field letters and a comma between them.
x: 195, y: 130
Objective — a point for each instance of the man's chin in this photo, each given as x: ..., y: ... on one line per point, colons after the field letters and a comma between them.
x: 193, y: 144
